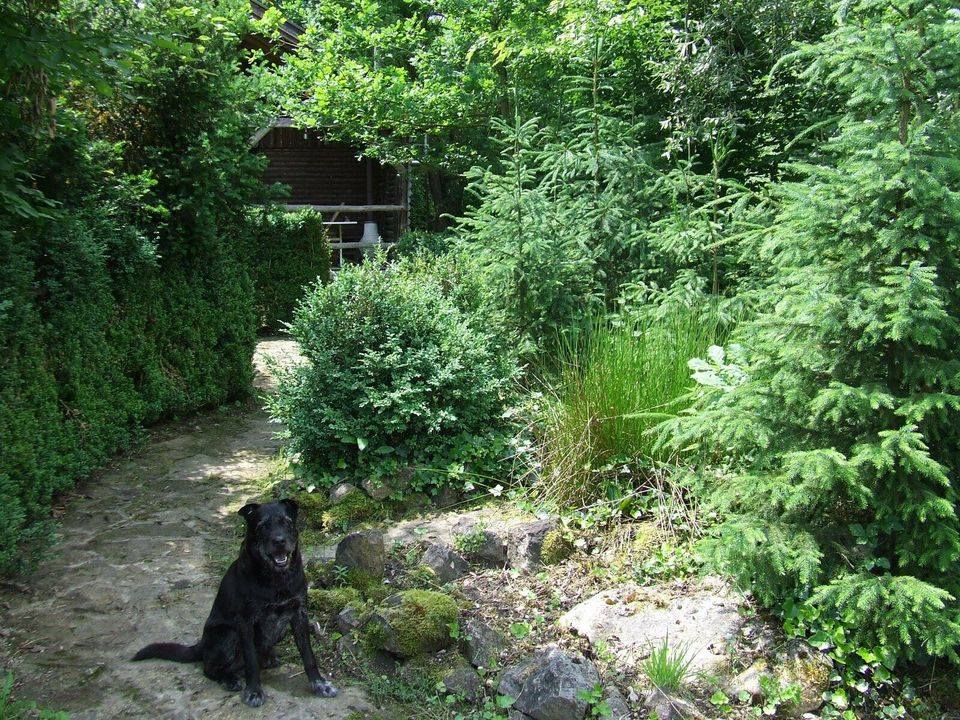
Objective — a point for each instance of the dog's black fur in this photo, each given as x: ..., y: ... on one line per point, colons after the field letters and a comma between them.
x: 262, y: 593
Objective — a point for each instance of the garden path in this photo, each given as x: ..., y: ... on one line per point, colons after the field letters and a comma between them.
x: 142, y: 548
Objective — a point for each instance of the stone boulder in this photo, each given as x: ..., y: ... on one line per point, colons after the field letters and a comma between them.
x: 546, y: 685
x: 633, y: 620
x: 480, y: 644
x: 447, y: 564
x: 364, y: 551
x: 348, y: 620
x: 447, y: 497
x: 464, y: 682
x: 619, y: 709
x: 413, y: 622
x: 480, y: 544
x: 809, y: 669
x: 670, y: 707
x: 525, y: 543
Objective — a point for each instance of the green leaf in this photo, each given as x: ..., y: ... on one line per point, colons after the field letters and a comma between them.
x: 719, y: 698
x: 520, y: 629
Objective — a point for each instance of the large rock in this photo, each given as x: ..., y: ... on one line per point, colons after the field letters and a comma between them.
x: 464, y: 682
x: 348, y: 620
x: 748, y: 682
x: 480, y: 644
x: 446, y: 564
x: 381, y: 488
x: 363, y: 551
x: 809, y: 669
x: 526, y: 543
x: 377, y: 489
x: 447, y: 497
x: 632, y: 621
x: 619, y: 709
x: 669, y: 707
x: 547, y: 684
x: 413, y: 622
x: 480, y: 544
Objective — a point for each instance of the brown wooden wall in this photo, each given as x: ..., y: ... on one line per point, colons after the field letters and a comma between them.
x: 326, y: 173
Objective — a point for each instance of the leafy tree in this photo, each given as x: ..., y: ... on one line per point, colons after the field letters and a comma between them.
x: 847, y: 423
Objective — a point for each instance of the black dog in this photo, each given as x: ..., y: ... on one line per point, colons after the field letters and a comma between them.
x: 262, y: 593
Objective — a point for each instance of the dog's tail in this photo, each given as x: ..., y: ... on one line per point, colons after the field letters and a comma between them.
x: 170, y: 651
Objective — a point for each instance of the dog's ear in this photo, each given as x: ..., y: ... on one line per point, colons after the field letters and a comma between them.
x: 291, y: 507
x: 248, y: 510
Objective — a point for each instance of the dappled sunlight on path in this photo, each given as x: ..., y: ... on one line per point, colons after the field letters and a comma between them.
x: 143, y: 545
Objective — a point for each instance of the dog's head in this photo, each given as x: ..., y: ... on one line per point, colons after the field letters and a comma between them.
x: 272, y: 532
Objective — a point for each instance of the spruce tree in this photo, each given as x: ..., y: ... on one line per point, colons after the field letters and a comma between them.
x: 845, y: 426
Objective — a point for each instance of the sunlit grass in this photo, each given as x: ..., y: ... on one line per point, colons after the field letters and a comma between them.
x: 615, y: 383
x: 668, y: 667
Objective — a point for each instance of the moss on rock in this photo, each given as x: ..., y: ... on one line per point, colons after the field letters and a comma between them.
x: 556, y: 548
x: 312, y: 506
x: 354, y: 508
x: 811, y: 676
x: 413, y: 622
x: 372, y: 589
x: 326, y: 603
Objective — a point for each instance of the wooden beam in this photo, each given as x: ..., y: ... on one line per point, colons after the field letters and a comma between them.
x: 347, y: 208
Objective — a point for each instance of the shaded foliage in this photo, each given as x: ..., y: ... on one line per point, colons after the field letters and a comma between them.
x: 123, y: 298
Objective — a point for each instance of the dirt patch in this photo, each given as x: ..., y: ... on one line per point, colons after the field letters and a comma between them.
x: 138, y: 562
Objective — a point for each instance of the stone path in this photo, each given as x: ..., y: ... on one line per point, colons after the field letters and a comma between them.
x: 143, y: 547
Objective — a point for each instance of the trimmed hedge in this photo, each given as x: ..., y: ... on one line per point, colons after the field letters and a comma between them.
x: 287, y: 252
x: 404, y: 377
x: 124, y: 297
x: 87, y: 356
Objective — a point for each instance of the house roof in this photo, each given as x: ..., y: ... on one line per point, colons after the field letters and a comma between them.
x: 290, y: 32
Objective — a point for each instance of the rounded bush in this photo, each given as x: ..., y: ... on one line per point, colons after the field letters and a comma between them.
x: 398, y: 382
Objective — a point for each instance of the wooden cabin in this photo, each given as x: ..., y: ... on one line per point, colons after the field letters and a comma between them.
x: 362, y: 200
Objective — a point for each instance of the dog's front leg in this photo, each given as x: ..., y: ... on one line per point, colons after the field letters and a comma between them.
x: 252, y: 693
x: 301, y: 634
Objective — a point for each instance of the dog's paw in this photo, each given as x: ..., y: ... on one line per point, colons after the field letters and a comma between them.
x: 323, y: 688
x: 253, y: 698
x: 232, y: 684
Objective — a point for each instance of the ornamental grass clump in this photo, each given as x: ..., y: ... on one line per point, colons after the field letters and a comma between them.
x: 615, y: 383
x: 399, y: 380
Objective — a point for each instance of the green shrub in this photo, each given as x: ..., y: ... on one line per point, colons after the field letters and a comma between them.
x: 615, y: 383
x: 423, y: 242
x: 396, y: 377
x: 286, y: 253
